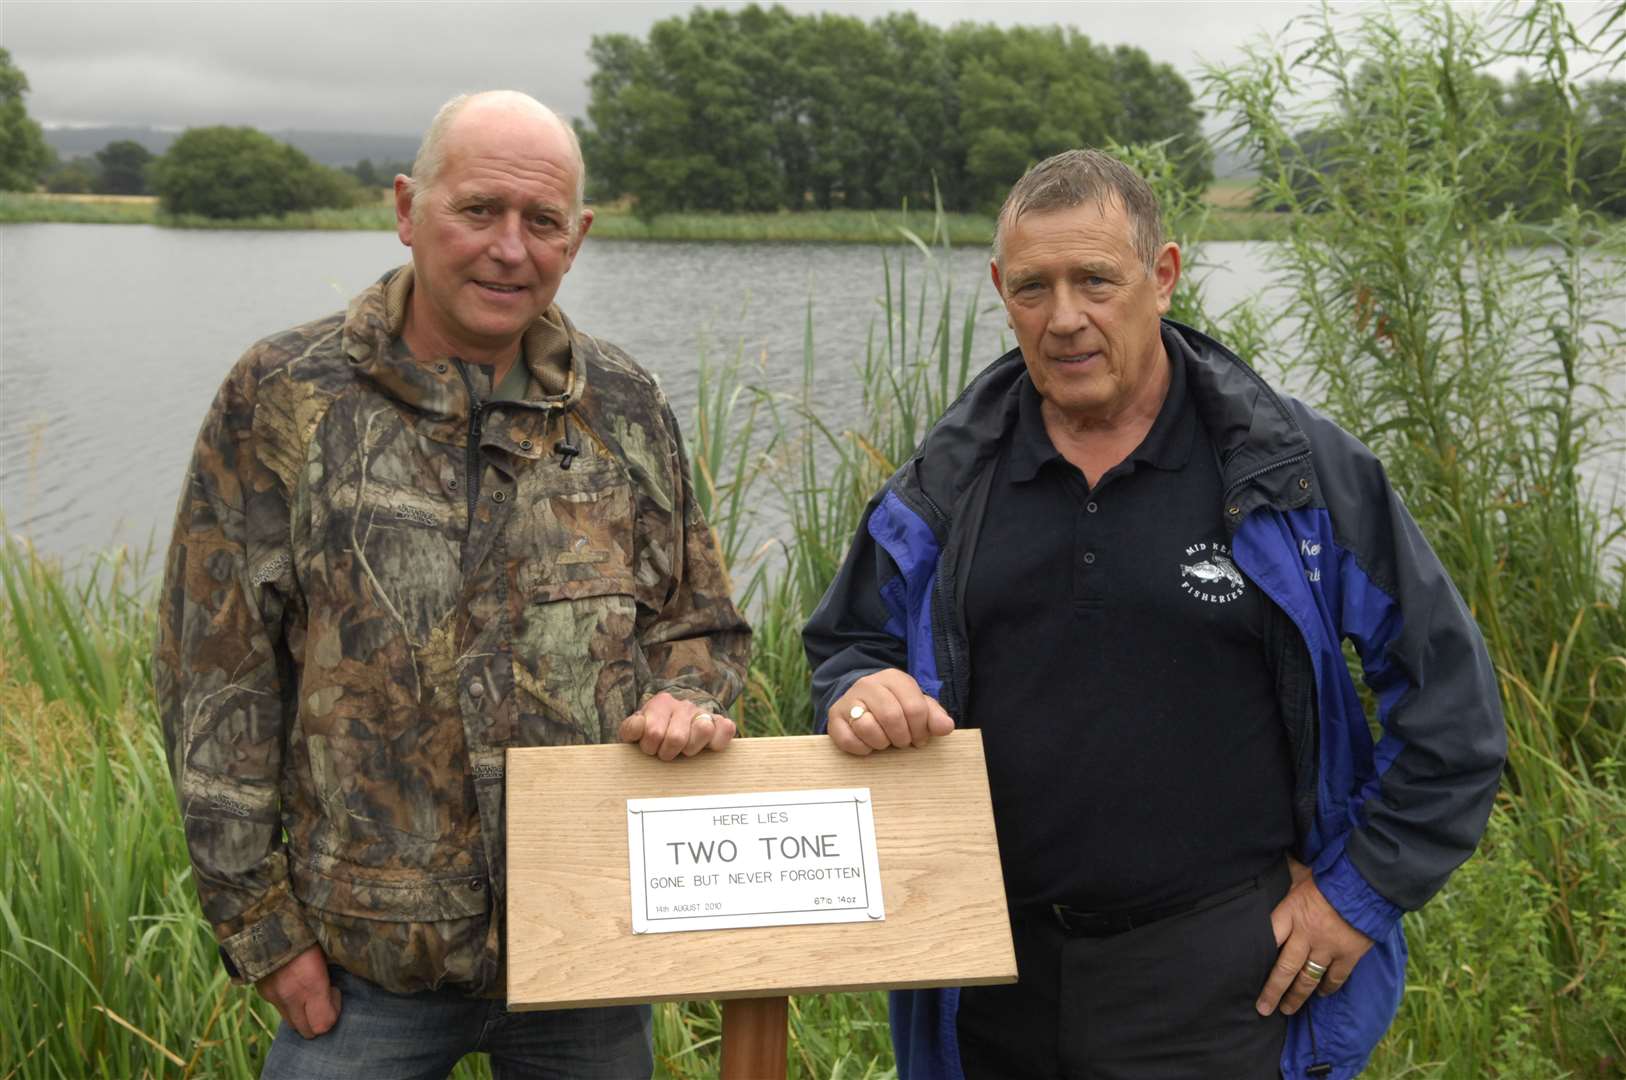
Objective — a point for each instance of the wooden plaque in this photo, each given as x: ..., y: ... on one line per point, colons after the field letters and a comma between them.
x: 570, y: 939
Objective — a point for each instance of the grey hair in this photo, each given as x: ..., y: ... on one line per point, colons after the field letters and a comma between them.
x: 431, y: 158
x: 1075, y: 177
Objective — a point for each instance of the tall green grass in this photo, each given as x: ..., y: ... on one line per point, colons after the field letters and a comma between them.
x: 812, y: 226
x: 105, y: 963
x: 26, y: 207
x: 18, y: 207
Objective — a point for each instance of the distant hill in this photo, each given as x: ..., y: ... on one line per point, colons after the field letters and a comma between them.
x: 84, y: 141
x: 327, y: 147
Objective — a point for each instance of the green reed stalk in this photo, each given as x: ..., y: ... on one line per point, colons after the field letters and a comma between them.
x: 1483, y: 371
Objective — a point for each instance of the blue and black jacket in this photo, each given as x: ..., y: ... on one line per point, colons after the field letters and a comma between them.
x: 1316, y: 527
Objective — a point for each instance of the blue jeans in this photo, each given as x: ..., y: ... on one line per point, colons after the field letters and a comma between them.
x: 385, y: 1036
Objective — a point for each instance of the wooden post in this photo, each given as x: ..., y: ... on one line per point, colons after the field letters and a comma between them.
x: 755, y: 1033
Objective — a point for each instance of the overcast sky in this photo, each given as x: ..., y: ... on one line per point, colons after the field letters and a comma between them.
x: 385, y: 67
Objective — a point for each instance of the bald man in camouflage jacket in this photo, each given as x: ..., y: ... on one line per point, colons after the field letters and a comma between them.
x: 392, y: 561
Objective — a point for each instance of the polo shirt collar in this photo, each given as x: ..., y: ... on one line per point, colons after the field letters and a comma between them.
x: 1031, y: 447
x: 1167, y: 445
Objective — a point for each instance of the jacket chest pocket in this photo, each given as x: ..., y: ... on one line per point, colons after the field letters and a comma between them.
x: 574, y: 645
x: 385, y: 533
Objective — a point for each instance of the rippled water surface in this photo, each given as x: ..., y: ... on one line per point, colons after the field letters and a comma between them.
x: 114, y: 338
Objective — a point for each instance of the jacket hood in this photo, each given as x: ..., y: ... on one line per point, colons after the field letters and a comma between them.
x: 552, y: 349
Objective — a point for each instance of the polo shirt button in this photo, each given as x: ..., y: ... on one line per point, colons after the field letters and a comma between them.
x: 477, y: 690
x: 1091, y: 507
x: 1089, y: 558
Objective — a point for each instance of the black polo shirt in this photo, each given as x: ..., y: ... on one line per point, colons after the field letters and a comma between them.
x: 1136, y: 752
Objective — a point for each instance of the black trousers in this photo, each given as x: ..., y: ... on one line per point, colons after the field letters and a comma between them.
x: 1167, y: 1001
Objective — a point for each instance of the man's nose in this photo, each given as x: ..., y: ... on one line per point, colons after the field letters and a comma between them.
x: 1068, y: 313
x: 506, y: 244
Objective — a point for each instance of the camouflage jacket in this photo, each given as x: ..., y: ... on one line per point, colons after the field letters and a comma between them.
x: 374, y: 588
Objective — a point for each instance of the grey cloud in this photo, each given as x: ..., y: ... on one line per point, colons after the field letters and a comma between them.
x: 385, y: 67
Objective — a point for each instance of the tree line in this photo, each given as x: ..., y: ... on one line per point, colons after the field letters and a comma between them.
x: 1597, y: 157
x: 1530, y: 175
x: 215, y: 172
x: 762, y: 109
x: 125, y: 167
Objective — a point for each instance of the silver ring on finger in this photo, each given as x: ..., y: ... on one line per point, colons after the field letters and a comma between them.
x: 699, y: 716
x: 1314, y: 970
x: 857, y: 712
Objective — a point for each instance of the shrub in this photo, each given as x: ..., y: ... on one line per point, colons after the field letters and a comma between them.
x: 227, y: 172
x: 124, y: 165
x: 74, y: 177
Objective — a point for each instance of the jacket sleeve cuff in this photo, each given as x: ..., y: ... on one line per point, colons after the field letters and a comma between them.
x: 705, y: 701
x: 267, y: 943
x: 838, y: 690
x: 1362, y: 906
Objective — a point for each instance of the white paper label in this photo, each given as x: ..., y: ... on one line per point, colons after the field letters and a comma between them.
x: 783, y: 858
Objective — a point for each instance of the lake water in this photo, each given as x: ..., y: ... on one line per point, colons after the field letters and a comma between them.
x: 114, y: 339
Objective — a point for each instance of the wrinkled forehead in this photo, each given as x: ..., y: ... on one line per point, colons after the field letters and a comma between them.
x: 1094, y: 223
x: 1102, y: 212
x: 1100, y: 216
x: 509, y: 179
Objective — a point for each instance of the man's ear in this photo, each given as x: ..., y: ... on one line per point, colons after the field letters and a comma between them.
x: 1166, y: 275
x: 403, y: 208
x: 584, y: 223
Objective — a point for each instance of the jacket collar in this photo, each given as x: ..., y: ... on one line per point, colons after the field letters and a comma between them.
x: 1263, y: 453
x: 554, y: 352
x: 1166, y: 445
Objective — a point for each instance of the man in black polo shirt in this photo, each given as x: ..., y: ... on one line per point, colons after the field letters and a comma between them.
x: 1131, y: 564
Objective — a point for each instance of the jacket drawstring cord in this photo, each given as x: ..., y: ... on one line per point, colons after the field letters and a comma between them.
x: 567, y: 450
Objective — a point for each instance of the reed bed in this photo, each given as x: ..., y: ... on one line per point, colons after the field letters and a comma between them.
x: 1486, y: 371
x: 23, y: 207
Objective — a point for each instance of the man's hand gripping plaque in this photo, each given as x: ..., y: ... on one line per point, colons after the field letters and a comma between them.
x: 885, y: 709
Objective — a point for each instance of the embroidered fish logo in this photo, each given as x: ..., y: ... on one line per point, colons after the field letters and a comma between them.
x: 1211, y: 570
